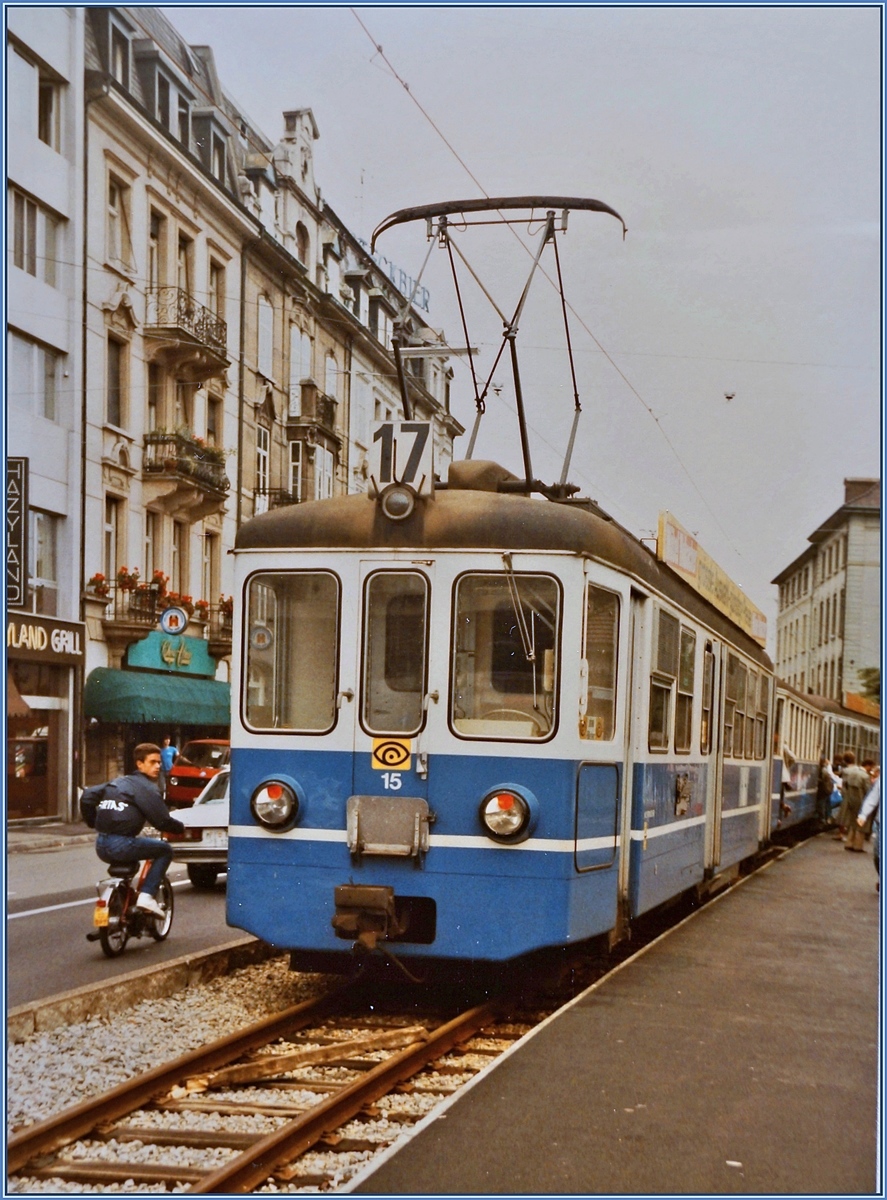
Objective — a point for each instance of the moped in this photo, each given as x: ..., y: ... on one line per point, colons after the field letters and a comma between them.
x: 115, y: 916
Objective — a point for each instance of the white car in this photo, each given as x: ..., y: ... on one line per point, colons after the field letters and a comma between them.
x: 203, y: 847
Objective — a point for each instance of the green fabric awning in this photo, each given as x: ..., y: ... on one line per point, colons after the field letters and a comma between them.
x: 145, y: 697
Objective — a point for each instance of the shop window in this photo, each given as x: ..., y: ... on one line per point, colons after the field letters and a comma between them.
x: 601, y: 648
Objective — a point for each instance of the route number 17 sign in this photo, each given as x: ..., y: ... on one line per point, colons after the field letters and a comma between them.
x: 402, y: 452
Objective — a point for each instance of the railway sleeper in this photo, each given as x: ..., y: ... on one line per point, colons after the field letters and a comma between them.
x: 102, y: 1172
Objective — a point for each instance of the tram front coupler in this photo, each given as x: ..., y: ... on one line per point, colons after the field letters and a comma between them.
x: 366, y: 915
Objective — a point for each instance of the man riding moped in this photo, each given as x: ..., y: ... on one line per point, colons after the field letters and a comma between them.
x: 119, y: 811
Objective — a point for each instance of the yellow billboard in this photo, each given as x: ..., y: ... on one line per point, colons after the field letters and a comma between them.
x: 678, y: 549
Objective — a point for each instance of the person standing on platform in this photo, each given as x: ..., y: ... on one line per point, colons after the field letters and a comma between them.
x: 168, y: 755
x: 871, y: 810
x: 855, y: 783
x: 828, y: 783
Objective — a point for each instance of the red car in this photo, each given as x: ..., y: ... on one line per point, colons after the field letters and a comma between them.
x: 196, y: 764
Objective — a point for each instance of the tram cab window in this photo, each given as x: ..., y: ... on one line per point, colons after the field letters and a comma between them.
x: 601, y: 647
x: 504, y: 669
x: 394, y: 652
x: 292, y: 638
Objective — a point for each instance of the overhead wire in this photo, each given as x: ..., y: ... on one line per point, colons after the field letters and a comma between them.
x: 634, y: 391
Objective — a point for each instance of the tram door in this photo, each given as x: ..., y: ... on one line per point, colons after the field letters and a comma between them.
x: 711, y: 746
x: 390, y: 708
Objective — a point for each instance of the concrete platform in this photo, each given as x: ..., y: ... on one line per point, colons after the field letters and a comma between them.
x: 739, y: 1054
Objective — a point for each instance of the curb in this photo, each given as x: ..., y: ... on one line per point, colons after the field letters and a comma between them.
x: 113, y: 996
x: 61, y: 842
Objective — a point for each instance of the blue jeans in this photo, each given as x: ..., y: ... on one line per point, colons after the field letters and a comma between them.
x: 115, y: 848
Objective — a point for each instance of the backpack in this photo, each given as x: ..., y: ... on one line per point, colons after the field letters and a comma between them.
x: 90, y: 799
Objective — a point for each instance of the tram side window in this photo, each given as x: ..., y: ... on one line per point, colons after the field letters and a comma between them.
x: 601, y: 646
x: 734, y: 707
x: 708, y: 688
x: 761, y: 718
x: 751, y: 713
x: 683, y: 731
x: 504, y: 669
x: 395, y: 641
x: 666, y: 669
x: 292, y: 651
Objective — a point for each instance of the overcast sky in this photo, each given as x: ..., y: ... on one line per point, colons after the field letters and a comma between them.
x: 742, y: 148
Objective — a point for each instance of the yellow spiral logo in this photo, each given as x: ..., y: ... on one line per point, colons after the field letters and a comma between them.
x: 391, y: 754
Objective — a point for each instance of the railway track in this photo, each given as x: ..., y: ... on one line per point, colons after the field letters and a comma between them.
x: 274, y: 1104
x: 308, y: 1077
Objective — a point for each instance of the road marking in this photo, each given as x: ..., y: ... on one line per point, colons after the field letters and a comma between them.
x: 35, y: 912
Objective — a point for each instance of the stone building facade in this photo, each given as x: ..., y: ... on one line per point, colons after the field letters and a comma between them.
x: 194, y: 337
x: 828, y: 628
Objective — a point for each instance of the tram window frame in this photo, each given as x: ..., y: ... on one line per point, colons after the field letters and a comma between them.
x: 686, y: 684
x: 707, y: 706
x: 467, y: 679
x: 763, y: 711
x: 751, y: 704
x: 368, y: 681
x: 601, y: 665
x: 735, y: 701
x: 260, y: 612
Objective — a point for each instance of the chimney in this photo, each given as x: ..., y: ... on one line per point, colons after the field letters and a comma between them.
x: 864, y: 492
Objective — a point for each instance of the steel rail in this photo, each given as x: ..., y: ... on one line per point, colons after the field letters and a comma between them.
x: 255, y: 1165
x: 72, y: 1123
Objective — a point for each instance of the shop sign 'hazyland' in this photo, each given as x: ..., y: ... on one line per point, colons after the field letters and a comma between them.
x: 44, y: 639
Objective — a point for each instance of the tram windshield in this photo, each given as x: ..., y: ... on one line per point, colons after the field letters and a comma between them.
x: 394, y: 652
x: 292, y: 637
x: 506, y: 629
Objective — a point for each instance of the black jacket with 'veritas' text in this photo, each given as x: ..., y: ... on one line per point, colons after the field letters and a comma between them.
x: 128, y: 803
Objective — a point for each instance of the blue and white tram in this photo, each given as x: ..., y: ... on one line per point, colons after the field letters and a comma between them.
x: 492, y: 725
x: 806, y: 727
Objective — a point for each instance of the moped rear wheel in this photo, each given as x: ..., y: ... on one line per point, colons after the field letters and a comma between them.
x: 159, y: 927
x: 114, y: 936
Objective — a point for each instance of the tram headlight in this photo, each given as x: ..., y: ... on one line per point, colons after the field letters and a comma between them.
x: 508, y: 814
x: 275, y: 804
x: 397, y: 501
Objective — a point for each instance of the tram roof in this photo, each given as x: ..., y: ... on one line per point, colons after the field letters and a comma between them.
x: 463, y: 519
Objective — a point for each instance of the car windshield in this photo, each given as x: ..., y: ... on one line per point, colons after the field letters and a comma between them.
x: 202, y: 754
x: 216, y: 789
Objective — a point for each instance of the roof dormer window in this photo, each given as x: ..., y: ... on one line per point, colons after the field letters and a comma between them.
x: 184, y: 122
x: 162, y: 113
x: 119, y: 58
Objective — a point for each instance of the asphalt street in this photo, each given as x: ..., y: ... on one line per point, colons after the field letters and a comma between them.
x: 50, y: 895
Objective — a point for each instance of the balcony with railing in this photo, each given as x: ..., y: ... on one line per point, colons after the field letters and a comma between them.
x: 181, y: 473
x: 128, y: 611
x: 187, y: 334
x: 315, y: 410
x: 264, y: 499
